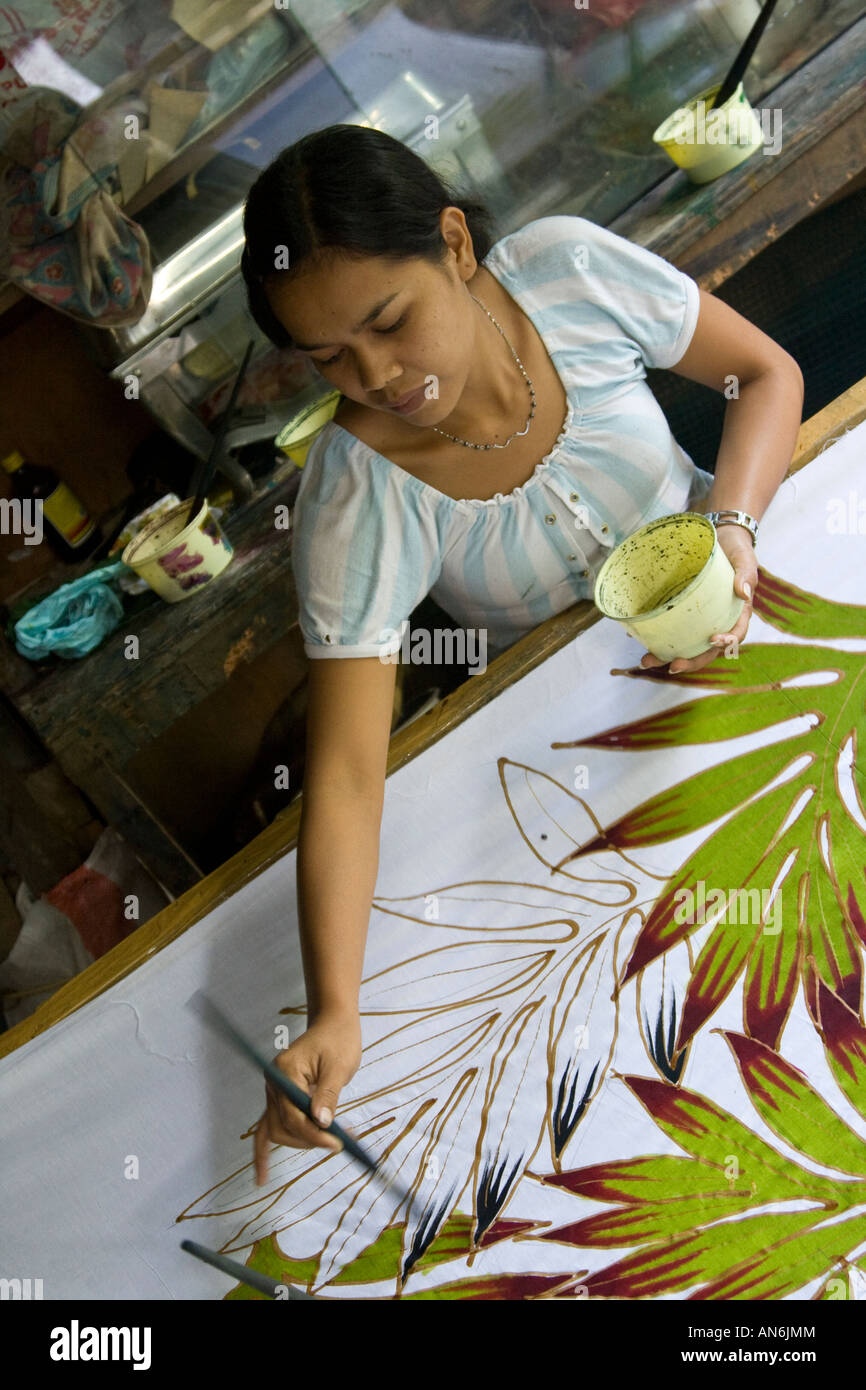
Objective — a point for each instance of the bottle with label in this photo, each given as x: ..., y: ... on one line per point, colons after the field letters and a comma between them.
x: 67, y: 525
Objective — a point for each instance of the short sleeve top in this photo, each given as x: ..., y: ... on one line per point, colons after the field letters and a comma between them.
x: 370, y: 541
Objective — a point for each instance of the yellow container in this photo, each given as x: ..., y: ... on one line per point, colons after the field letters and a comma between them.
x: 706, y: 143
x: 296, y: 437
x: 671, y: 586
x: 176, y: 559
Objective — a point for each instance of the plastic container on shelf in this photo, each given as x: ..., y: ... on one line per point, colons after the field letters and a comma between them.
x: 177, y: 558
x: 707, y: 143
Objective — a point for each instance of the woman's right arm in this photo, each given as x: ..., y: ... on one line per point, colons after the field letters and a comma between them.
x: 348, y: 729
x: 349, y: 715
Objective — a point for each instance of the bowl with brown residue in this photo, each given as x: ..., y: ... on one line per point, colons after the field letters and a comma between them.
x: 671, y: 586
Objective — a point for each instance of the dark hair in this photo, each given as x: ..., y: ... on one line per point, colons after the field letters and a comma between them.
x: 350, y: 188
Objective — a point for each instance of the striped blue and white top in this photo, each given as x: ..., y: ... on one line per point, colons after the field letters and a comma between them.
x: 370, y: 541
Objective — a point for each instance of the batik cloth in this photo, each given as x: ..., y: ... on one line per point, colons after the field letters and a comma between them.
x: 595, y: 1078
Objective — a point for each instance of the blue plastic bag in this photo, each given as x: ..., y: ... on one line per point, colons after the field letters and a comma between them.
x: 74, y: 619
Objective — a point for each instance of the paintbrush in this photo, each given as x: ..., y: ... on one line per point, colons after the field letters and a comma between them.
x: 204, y: 472
x: 263, y: 1283
x: 210, y: 1014
x: 743, y: 58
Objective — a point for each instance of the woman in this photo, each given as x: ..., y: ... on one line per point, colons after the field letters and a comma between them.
x: 495, y: 440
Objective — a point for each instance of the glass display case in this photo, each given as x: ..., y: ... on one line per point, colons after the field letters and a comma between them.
x: 541, y: 107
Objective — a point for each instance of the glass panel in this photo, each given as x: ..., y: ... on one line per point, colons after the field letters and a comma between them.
x: 545, y: 105
x: 538, y: 106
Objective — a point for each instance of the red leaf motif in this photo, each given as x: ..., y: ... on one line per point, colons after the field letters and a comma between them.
x: 847, y: 973
x: 668, y: 1104
x: 649, y: 1272
x: 854, y: 912
x: 759, y: 1062
x: 711, y: 981
x: 661, y: 931
x: 770, y: 987
x: 842, y: 1031
x: 600, y: 1182
x: 503, y: 1286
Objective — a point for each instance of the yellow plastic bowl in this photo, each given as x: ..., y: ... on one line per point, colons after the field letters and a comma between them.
x: 296, y: 437
x: 706, y: 144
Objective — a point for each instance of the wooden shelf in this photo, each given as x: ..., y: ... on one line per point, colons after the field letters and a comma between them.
x: 711, y: 231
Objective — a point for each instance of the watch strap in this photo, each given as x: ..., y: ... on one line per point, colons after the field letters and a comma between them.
x: 735, y: 518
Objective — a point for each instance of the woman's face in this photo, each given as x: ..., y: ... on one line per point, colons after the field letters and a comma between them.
x: 380, y: 330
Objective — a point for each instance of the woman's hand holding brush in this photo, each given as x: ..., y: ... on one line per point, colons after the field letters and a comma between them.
x: 321, y: 1061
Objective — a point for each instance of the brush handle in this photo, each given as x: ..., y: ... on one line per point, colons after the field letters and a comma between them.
x: 217, y: 1020
x: 263, y: 1283
x: 744, y: 57
x: 206, y: 471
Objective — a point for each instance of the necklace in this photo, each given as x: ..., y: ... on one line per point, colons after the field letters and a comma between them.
x: 517, y: 433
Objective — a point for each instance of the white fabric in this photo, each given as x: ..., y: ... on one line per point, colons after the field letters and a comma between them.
x: 133, y: 1072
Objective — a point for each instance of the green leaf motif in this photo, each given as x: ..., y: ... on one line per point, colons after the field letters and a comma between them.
x: 791, y: 811
x: 710, y: 1225
x: 673, y: 1206
x: 267, y: 1257
x: 788, y: 1264
x: 383, y: 1259
x: 794, y: 1110
x: 709, y: 1133
x: 701, y: 1258
x: 803, y: 614
x: 730, y: 1216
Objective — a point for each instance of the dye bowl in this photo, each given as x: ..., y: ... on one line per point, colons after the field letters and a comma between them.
x: 313, y: 414
x: 671, y: 586
x: 706, y: 144
x: 178, y: 559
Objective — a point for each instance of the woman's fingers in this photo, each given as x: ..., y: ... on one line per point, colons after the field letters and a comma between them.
x: 695, y: 663
x: 270, y: 1131
x: 289, y: 1125
x: 738, y: 631
x: 719, y: 648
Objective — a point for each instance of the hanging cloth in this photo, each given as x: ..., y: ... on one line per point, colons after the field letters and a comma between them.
x: 64, y: 240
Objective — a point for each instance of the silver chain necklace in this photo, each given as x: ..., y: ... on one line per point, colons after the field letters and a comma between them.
x: 517, y: 433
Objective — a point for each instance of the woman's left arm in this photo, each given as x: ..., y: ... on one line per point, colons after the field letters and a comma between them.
x: 764, y: 386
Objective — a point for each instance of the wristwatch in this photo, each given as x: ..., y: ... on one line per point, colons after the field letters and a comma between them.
x: 733, y: 518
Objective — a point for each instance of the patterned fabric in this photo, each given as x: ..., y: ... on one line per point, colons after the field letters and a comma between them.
x: 370, y: 540
x: 65, y: 240
x: 72, y: 27
x: 596, y: 1078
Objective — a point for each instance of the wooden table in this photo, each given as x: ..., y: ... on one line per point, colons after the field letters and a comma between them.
x: 95, y: 715
x: 815, y: 435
